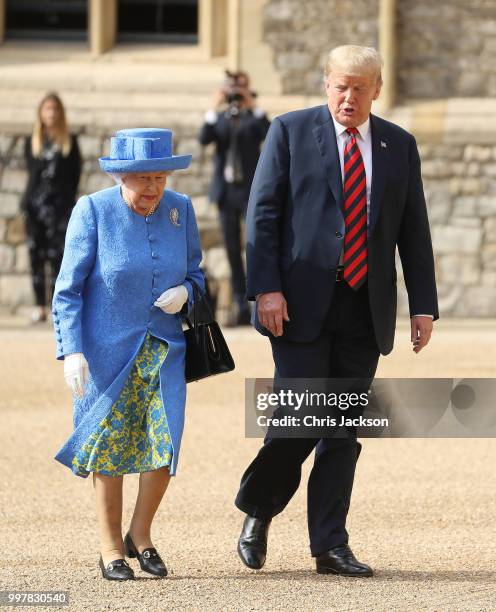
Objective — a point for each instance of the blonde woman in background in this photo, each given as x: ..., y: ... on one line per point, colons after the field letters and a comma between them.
x: 54, y: 166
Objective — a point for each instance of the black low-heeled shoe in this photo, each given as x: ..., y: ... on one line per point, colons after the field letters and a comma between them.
x: 149, y: 559
x: 116, y: 570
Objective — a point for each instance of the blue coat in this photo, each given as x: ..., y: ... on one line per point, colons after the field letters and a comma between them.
x: 116, y: 264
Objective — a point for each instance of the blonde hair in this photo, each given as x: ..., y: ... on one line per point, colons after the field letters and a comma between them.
x: 355, y: 61
x: 61, y: 131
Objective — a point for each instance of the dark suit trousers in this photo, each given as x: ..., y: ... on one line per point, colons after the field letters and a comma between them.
x: 346, y: 348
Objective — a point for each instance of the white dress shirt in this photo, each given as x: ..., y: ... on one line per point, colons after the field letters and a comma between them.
x: 364, y: 142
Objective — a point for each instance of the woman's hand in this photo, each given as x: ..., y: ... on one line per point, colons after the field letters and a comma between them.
x: 172, y: 300
x: 76, y: 373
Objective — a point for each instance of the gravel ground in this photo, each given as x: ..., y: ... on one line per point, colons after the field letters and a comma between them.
x: 423, y: 511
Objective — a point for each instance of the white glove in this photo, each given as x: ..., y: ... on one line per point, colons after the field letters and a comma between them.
x: 172, y: 300
x: 76, y: 373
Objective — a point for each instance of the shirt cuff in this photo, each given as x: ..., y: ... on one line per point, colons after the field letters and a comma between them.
x: 211, y: 117
x: 424, y: 315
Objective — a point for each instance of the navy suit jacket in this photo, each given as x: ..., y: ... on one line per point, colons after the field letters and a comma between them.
x: 295, y: 224
x: 252, y: 132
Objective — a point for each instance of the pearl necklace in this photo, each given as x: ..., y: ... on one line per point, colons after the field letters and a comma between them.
x: 130, y: 206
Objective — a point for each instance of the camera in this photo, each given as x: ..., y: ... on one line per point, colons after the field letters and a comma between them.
x: 236, y: 84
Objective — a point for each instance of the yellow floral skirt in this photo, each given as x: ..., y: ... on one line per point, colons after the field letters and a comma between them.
x: 134, y: 436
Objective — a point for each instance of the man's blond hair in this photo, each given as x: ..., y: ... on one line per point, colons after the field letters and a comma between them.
x: 354, y: 61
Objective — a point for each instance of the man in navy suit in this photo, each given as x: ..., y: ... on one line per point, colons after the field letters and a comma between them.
x: 335, y: 192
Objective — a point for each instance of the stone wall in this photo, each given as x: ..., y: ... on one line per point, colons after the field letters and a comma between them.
x: 15, y: 284
x: 460, y: 188
x: 446, y: 49
x: 302, y: 33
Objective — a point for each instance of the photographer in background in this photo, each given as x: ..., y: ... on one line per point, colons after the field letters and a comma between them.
x: 238, y: 127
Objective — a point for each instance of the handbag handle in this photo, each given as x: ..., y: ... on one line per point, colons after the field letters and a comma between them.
x: 198, y: 298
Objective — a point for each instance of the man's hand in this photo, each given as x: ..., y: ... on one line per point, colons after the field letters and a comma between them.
x: 272, y: 310
x: 421, y: 332
x: 218, y: 99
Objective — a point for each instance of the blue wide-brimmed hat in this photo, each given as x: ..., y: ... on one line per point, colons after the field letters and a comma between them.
x: 143, y: 150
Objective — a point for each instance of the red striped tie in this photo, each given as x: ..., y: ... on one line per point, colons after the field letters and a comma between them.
x: 355, y: 214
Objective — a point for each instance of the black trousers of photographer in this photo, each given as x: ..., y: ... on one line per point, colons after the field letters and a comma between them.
x: 232, y: 213
x: 346, y: 348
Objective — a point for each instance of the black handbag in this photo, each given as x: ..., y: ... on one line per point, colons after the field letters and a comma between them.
x: 207, y: 352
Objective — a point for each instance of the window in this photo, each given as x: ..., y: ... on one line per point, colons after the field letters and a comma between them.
x: 158, y: 20
x: 46, y: 19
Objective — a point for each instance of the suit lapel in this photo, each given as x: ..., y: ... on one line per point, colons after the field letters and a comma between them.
x: 325, y: 137
x: 380, y: 161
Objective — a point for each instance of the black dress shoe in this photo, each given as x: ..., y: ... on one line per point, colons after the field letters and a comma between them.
x: 149, y: 559
x: 116, y: 570
x: 340, y: 560
x: 252, y: 543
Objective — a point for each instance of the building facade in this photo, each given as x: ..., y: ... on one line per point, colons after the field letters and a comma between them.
x: 439, y: 83
x: 431, y: 50
x: 232, y: 29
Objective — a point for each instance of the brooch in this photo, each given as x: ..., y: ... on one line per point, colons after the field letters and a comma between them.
x: 174, y: 217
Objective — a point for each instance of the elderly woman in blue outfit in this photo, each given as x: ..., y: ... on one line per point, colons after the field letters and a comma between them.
x: 131, y: 255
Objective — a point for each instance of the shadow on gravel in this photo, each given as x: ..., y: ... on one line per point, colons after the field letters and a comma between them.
x: 380, y: 575
x: 435, y: 576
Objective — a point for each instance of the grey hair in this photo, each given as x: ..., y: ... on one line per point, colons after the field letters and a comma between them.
x: 354, y: 60
x: 118, y: 176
